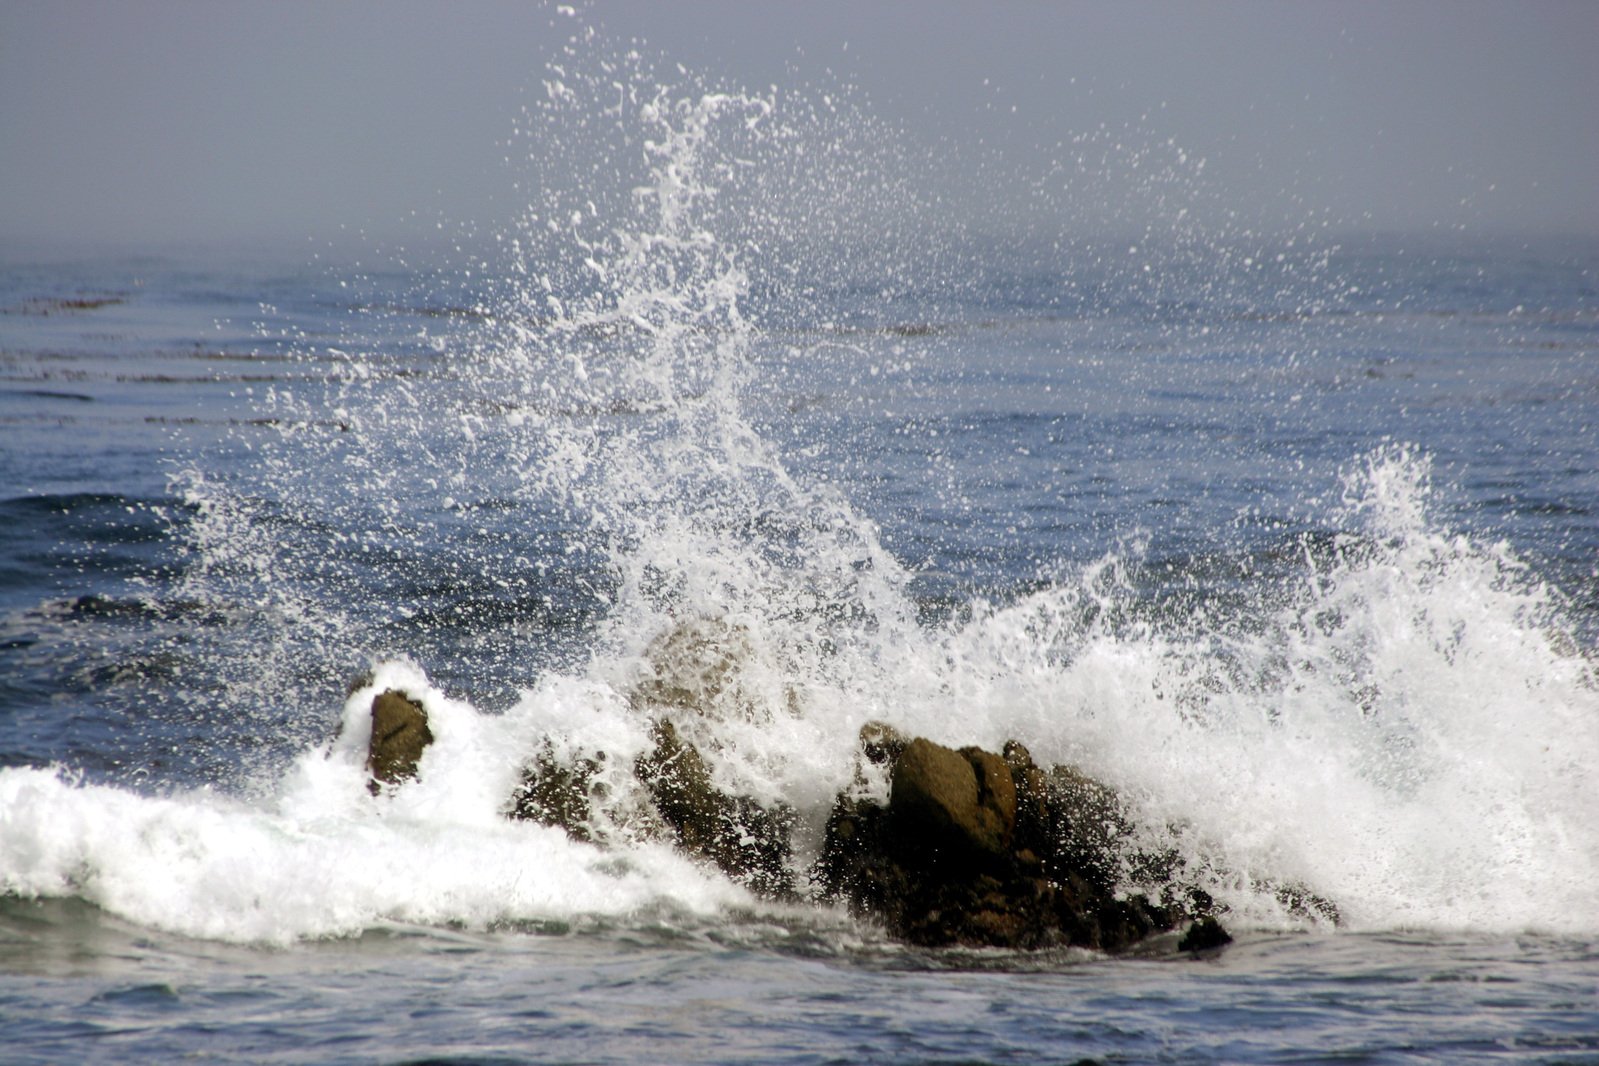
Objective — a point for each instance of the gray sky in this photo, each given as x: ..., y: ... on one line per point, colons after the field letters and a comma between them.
x: 168, y: 123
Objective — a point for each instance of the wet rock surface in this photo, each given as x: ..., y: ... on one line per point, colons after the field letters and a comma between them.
x: 746, y: 840
x: 1206, y: 934
x: 694, y: 673
x: 400, y: 734
x: 978, y: 849
x: 555, y: 794
x: 952, y: 806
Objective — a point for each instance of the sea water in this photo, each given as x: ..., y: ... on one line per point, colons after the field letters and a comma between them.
x: 1288, y: 538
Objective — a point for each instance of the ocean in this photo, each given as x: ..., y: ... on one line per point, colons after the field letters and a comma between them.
x: 1290, y: 538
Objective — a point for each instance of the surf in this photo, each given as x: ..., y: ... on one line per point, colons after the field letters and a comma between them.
x: 1399, y: 719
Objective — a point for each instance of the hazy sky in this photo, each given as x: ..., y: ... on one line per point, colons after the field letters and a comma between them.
x: 199, y: 122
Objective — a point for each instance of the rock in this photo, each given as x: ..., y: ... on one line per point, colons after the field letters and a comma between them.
x: 969, y: 848
x: 400, y: 734
x: 743, y: 838
x: 557, y: 795
x: 988, y: 850
x: 1089, y: 827
x: 1035, y: 833
x: 695, y: 675
x: 881, y: 743
x: 996, y: 796
x: 951, y: 805
x: 1206, y: 934
x: 748, y: 842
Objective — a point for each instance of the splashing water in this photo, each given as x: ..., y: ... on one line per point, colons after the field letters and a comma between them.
x: 1407, y: 731
x: 1400, y: 726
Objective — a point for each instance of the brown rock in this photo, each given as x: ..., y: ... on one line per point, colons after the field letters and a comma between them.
x: 982, y: 849
x: 400, y: 734
x: 996, y: 790
x: 554, y: 794
x: 749, y: 842
x: 945, y: 803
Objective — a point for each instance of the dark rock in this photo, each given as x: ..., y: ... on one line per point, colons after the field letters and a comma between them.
x: 1035, y: 834
x: 987, y: 850
x: 1206, y: 934
x: 1089, y: 826
x: 400, y: 734
x: 554, y: 794
x: 748, y: 842
x: 947, y: 804
x: 881, y: 743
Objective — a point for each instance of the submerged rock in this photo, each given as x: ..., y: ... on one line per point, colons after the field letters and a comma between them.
x: 1206, y: 934
x: 980, y: 849
x: 400, y: 734
x: 713, y: 669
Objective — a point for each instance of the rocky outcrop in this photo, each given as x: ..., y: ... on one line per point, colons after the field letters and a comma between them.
x: 1206, y: 934
x: 746, y: 840
x: 969, y: 847
x: 952, y: 806
x: 974, y: 848
x: 400, y: 734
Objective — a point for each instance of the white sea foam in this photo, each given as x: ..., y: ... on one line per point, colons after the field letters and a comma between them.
x: 324, y: 857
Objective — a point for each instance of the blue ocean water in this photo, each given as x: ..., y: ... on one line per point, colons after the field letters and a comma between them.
x: 1291, y: 539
